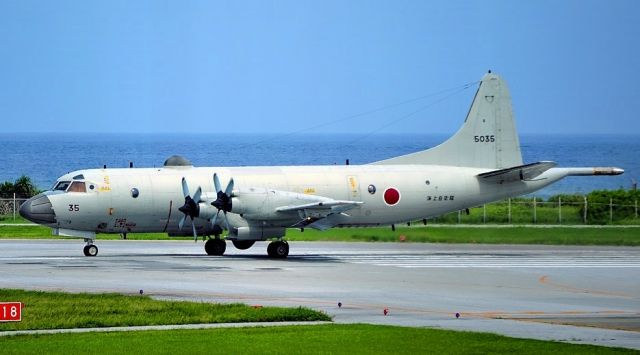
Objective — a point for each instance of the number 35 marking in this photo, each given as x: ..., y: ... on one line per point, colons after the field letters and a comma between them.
x: 484, y: 139
x: 74, y: 208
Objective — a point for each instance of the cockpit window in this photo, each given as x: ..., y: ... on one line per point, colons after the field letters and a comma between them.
x: 78, y: 177
x: 77, y: 186
x: 61, y: 186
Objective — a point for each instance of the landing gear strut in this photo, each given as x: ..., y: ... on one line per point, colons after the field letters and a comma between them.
x: 278, y: 249
x: 90, y: 249
x: 215, y: 246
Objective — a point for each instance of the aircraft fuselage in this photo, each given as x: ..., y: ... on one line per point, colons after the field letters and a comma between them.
x: 109, y: 205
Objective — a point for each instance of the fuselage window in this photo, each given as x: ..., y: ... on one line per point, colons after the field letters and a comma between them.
x: 61, y: 185
x: 77, y: 186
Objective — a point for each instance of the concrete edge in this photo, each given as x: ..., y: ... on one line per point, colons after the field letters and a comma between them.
x: 158, y: 327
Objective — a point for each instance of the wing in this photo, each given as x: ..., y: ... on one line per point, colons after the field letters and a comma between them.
x: 517, y: 173
x: 320, y: 215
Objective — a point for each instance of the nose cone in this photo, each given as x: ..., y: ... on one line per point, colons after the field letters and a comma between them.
x: 38, y: 210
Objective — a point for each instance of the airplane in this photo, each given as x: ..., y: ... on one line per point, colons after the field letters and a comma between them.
x: 480, y: 163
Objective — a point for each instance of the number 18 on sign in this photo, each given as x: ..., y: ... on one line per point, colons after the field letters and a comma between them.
x: 10, y: 311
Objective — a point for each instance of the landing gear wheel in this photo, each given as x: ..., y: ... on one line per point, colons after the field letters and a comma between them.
x: 270, y: 249
x: 215, y: 246
x: 90, y: 250
x: 243, y: 244
x: 278, y: 249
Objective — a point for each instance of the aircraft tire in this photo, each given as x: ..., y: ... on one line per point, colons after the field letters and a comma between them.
x: 270, y: 249
x: 90, y: 250
x: 278, y: 249
x: 243, y: 244
x: 215, y: 247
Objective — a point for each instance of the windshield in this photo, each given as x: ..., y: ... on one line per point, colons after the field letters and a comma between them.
x: 77, y: 186
x: 61, y: 185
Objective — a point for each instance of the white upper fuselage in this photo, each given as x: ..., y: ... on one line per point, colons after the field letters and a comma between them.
x: 425, y: 191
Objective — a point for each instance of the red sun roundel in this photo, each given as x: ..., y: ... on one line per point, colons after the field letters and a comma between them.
x: 391, y: 196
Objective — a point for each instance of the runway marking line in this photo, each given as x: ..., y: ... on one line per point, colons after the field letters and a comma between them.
x: 544, y: 280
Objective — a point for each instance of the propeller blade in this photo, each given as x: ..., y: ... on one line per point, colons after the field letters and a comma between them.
x: 216, y: 182
x: 185, y: 187
x: 226, y: 221
x: 196, y: 196
x: 215, y: 218
x: 181, y: 223
x: 229, y: 188
x: 195, y: 235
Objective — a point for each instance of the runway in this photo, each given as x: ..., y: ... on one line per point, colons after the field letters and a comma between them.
x: 520, y: 291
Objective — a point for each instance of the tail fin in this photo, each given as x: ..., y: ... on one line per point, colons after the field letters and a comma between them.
x: 487, y: 139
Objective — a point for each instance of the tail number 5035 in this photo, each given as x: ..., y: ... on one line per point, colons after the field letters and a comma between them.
x: 484, y: 139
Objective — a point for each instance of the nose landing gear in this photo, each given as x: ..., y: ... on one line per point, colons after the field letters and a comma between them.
x: 90, y: 249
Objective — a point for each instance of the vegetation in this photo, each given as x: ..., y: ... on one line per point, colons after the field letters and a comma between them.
x: 22, y: 187
x: 488, y: 235
x: 430, y: 234
x: 598, y: 210
x: 56, y: 310
x: 318, y: 339
x: 558, y: 209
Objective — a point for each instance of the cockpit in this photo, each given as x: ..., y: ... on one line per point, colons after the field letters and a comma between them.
x: 77, y: 184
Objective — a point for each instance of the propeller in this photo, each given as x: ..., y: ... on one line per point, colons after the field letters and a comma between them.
x: 190, y: 207
x: 223, y: 200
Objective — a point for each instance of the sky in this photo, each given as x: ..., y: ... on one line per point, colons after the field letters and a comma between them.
x: 315, y: 66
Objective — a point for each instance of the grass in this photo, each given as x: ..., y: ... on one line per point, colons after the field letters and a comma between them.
x: 441, y: 234
x: 320, y: 339
x: 56, y: 310
x: 488, y: 235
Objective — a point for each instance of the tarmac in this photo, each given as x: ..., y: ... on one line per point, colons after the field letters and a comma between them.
x: 577, y: 294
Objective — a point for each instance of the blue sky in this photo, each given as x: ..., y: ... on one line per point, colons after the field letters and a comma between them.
x: 283, y: 66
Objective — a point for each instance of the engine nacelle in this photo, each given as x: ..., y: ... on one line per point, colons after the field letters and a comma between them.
x: 206, y: 210
x: 261, y: 204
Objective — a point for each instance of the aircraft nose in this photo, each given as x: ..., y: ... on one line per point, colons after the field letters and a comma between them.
x: 38, y: 209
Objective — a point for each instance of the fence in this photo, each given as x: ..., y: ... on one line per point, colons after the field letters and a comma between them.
x: 535, y: 211
x: 9, y: 207
x: 510, y: 211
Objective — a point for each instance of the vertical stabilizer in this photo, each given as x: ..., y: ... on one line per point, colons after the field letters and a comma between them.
x: 487, y: 139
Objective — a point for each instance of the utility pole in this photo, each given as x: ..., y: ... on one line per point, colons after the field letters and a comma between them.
x: 535, y: 215
x: 611, y: 210
x: 559, y: 210
x: 484, y: 214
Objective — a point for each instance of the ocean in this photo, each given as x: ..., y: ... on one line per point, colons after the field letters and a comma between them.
x: 45, y: 156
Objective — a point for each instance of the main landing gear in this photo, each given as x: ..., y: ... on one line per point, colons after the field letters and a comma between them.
x: 90, y: 249
x: 278, y: 249
x: 215, y: 246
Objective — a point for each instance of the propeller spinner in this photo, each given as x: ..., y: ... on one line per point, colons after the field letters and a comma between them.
x: 190, y: 207
x: 223, y: 201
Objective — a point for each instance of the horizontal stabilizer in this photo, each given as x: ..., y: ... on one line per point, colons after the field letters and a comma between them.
x: 517, y: 173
